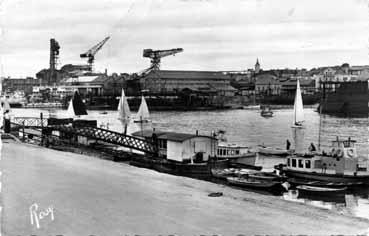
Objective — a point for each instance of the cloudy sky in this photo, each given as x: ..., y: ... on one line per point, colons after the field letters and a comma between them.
x: 215, y: 34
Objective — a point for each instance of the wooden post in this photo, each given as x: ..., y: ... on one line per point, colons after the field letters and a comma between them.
x: 23, y: 138
x: 42, y: 128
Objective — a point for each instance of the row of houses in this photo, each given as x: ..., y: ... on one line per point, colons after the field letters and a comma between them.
x: 216, y: 83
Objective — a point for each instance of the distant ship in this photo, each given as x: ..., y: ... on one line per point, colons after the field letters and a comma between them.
x: 349, y: 99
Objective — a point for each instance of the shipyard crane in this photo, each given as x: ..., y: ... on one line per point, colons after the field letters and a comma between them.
x: 90, y: 54
x: 156, y: 55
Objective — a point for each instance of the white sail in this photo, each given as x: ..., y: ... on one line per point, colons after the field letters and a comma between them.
x: 143, y: 111
x: 298, y: 108
x: 124, y: 112
x: 70, y: 111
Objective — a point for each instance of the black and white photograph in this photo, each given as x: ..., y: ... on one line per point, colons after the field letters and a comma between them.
x: 184, y: 117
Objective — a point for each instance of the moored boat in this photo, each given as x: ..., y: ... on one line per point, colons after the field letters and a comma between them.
x: 341, y: 165
x: 273, y: 151
x: 320, y: 190
x: 266, y: 112
x: 254, y: 183
x: 236, y: 154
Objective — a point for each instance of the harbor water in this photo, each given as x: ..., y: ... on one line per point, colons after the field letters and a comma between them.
x: 248, y: 128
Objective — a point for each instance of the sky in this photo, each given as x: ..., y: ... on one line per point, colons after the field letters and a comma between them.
x: 215, y: 34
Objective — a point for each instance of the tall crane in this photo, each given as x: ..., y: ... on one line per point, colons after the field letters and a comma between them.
x: 90, y: 54
x: 156, y: 55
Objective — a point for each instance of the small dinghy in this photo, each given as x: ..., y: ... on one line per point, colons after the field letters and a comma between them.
x: 253, y: 183
x: 266, y: 112
x: 320, y: 190
x: 272, y: 151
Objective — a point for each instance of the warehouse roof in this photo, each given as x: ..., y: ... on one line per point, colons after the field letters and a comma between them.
x: 172, y: 136
x: 187, y: 74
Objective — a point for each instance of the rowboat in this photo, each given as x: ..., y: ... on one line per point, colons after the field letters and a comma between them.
x: 253, y: 183
x: 317, y: 183
x: 320, y: 190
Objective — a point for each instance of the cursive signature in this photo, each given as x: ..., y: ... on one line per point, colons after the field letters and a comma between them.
x: 37, y: 215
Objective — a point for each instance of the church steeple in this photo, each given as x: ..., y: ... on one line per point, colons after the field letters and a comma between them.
x: 257, y: 66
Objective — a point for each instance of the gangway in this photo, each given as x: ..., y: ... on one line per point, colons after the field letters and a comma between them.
x: 95, y: 133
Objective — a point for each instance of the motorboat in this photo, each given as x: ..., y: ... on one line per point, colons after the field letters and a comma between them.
x: 236, y: 154
x: 340, y: 165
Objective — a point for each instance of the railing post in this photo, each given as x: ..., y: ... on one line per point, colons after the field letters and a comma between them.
x: 23, y: 138
x: 42, y: 129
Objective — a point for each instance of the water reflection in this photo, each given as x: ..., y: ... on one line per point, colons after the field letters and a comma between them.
x: 354, y: 202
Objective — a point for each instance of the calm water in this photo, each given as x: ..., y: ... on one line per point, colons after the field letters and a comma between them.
x: 248, y: 128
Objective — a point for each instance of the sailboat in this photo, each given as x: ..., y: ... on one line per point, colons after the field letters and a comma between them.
x: 76, y: 106
x: 124, y: 112
x: 298, y: 108
x: 298, y: 121
x: 143, y: 115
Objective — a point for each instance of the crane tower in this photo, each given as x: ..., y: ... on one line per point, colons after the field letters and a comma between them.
x: 156, y: 55
x: 90, y: 54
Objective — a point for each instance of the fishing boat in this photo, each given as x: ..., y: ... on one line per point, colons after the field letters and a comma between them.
x: 254, y: 183
x: 266, y: 112
x: 340, y: 165
x: 320, y: 190
x: 124, y: 113
x: 143, y: 115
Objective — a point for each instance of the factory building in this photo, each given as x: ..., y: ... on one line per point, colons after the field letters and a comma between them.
x: 168, y: 81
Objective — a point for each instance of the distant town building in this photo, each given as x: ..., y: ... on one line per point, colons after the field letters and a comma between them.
x: 267, y: 84
x: 95, y: 84
x: 169, y: 81
x: 19, y: 84
x: 288, y: 87
x: 257, y: 66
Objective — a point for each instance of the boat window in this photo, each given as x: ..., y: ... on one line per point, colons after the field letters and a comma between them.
x: 224, y: 152
x: 301, y: 164
x: 232, y: 152
x: 227, y: 152
x: 288, y: 162
x: 307, y: 164
x: 237, y: 152
x: 293, y: 162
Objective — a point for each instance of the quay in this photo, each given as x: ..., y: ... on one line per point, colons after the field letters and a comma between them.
x: 99, y: 197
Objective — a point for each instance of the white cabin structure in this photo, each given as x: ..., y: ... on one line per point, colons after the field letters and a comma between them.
x: 182, y: 147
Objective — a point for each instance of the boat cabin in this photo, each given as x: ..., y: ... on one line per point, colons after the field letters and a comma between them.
x: 182, y: 147
x: 231, y: 151
x: 341, y: 158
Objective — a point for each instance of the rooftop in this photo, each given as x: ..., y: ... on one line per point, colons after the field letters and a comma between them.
x: 188, y: 74
x: 173, y: 136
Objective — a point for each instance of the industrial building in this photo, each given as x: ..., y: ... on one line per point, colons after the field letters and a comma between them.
x: 171, y: 81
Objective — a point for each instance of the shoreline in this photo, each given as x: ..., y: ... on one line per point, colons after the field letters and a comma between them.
x: 184, y: 201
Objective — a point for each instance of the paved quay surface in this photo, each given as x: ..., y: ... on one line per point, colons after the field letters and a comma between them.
x: 90, y: 196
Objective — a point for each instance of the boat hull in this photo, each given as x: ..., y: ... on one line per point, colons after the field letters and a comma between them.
x: 196, y: 170
x: 336, y: 178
